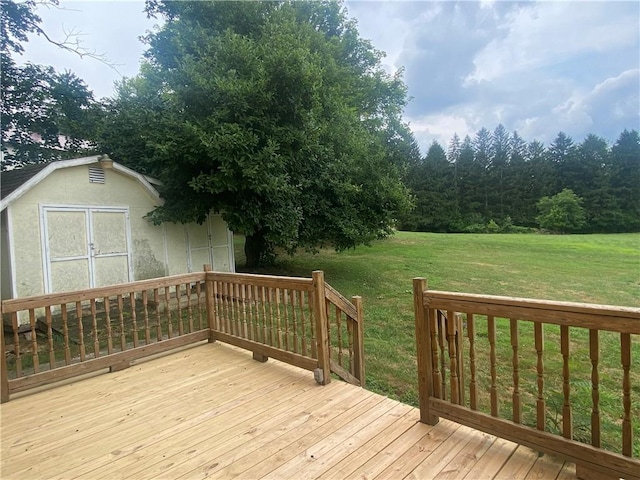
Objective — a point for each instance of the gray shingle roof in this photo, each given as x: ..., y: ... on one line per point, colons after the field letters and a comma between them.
x: 13, y: 179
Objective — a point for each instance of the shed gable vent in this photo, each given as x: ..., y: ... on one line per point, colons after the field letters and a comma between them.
x: 96, y: 175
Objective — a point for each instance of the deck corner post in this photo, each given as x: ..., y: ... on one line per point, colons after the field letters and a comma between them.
x: 4, y: 377
x: 211, y: 311
x: 322, y: 331
x: 358, y: 331
x: 423, y: 341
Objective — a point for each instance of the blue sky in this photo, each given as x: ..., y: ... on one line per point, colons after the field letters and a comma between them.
x: 536, y: 67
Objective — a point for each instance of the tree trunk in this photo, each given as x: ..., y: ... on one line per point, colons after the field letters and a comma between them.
x: 255, y: 249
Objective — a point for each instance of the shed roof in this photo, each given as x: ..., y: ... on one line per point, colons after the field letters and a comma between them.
x: 15, y: 183
x: 13, y: 179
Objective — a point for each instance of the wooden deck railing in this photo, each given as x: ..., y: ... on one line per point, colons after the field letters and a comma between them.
x: 73, y: 333
x: 539, y: 373
x: 290, y: 319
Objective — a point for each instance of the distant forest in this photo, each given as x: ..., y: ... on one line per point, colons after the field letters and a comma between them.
x: 495, y: 181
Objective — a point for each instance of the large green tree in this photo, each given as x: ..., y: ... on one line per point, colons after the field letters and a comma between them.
x: 277, y: 114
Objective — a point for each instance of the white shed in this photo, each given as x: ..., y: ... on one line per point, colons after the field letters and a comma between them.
x: 80, y: 223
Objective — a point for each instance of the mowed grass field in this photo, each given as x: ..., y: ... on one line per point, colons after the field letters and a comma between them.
x: 603, y: 269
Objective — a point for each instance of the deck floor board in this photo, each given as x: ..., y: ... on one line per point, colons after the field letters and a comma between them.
x: 210, y: 411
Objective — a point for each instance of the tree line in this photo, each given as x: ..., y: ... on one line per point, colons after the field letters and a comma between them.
x: 497, y: 180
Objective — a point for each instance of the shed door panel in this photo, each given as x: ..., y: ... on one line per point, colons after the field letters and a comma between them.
x: 70, y: 275
x: 199, y: 246
x: 69, y: 259
x: 67, y: 234
x: 109, y: 232
x: 110, y: 252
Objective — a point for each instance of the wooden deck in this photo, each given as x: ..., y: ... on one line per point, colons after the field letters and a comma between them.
x: 212, y: 412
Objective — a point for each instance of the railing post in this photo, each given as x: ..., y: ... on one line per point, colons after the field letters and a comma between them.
x: 211, y: 311
x: 423, y: 344
x: 358, y: 340
x: 322, y: 332
x: 4, y: 377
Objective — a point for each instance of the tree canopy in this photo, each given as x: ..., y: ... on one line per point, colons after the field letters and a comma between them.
x: 276, y: 114
x: 46, y: 115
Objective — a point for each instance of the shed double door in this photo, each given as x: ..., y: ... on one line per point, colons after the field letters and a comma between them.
x: 85, y: 247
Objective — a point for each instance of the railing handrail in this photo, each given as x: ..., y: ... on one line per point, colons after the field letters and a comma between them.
x: 295, y: 283
x: 606, y: 317
x: 341, y: 301
x: 50, y: 299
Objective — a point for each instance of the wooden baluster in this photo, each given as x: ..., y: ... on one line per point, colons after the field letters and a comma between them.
x: 594, y: 355
x: 94, y: 322
x: 256, y: 312
x: 65, y: 333
x: 167, y: 311
x: 350, y: 325
x: 312, y: 325
x: 269, y: 292
x: 233, y: 311
x: 145, y: 309
x: 327, y: 309
x: 294, y: 317
x: 199, y: 305
x: 303, y: 322
x: 156, y: 301
x: 627, y: 430
x: 339, y: 333
x: 517, y: 409
x: 80, y: 331
x: 219, y: 323
x: 541, y: 408
x: 278, y: 319
x: 263, y: 315
x: 236, y: 310
x: 433, y: 319
x: 134, y: 318
x: 285, y: 319
x: 178, y: 302
x: 107, y: 316
x: 189, y: 291
x: 251, y: 324
x: 242, y: 298
x: 473, y: 387
x: 453, y: 357
x: 491, y: 326
x: 34, y: 341
x: 567, y: 421
x: 16, y: 344
x: 460, y: 354
x: 224, y: 292
x: 52, y: 353
x: 230, y: 305
x: 442, y: 332
x: 123, y: 336
x: 224, y: 319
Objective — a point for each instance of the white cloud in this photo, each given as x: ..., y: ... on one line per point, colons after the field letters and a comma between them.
x: 545, y: 34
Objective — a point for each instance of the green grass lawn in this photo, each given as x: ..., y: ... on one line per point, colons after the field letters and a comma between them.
x: 602, y: 269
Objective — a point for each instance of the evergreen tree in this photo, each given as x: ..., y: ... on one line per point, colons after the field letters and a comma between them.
x: 625, y: 179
